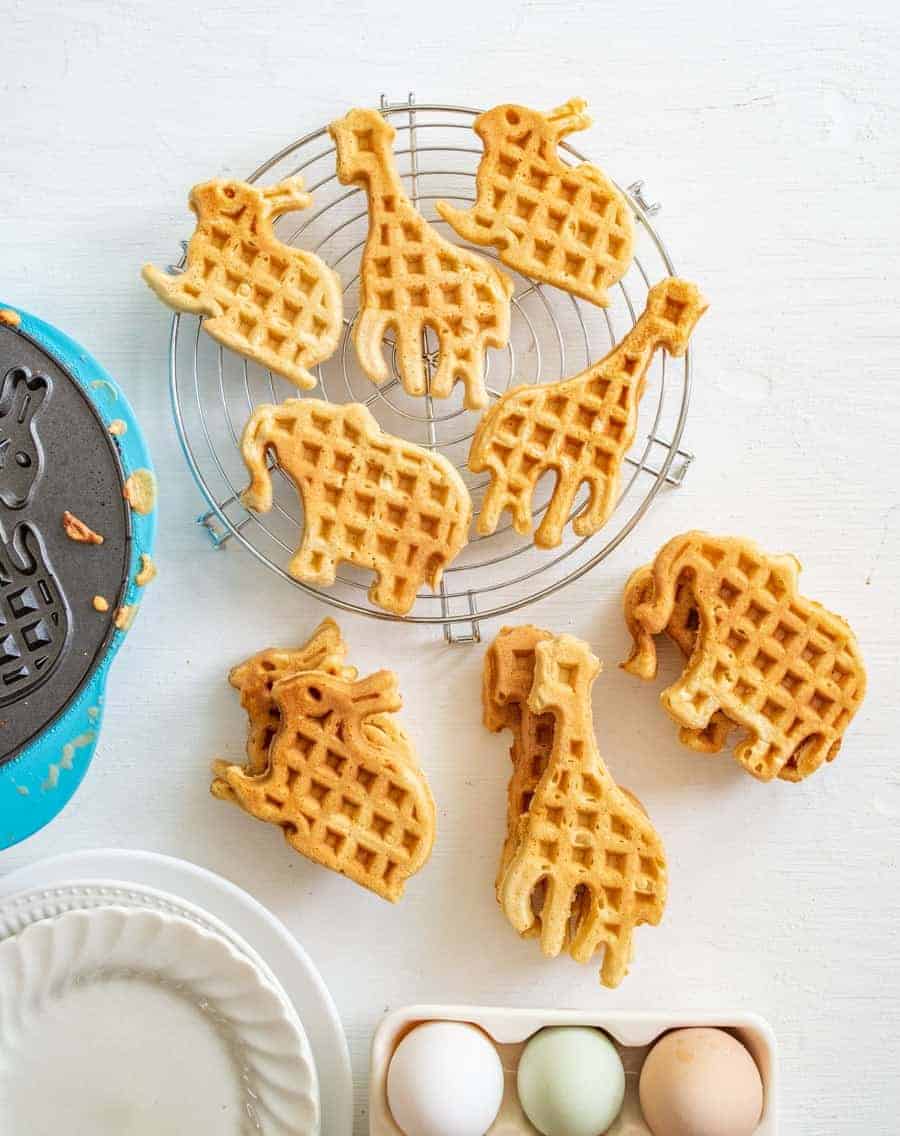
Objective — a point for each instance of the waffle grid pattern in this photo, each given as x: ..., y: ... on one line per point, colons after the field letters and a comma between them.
x: 777, y: 663
x: 378, y: 501
x: 567, y: 226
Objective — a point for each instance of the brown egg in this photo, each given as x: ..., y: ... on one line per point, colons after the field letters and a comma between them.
x: 700, y: 1082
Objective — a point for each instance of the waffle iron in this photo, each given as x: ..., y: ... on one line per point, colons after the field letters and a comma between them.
x: 69, y: 442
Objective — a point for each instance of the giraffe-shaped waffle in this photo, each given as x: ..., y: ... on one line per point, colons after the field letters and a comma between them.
x: 349, y: 798
x: 585, y: 844
x: 278, y: 305
x: 566, y: 225
x: 776, y: 663
x: 412, y: 279
x: 581, y: 427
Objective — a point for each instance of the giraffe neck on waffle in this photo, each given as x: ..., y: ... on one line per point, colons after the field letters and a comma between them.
x: 630, y: 359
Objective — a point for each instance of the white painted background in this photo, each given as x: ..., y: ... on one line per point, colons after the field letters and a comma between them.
x: 772, y: 138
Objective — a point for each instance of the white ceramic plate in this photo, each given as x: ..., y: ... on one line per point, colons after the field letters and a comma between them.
x: 127, y: 1021
x: 165, y: 883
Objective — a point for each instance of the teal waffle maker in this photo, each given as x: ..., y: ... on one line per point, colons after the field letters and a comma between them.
x: 69, y: 443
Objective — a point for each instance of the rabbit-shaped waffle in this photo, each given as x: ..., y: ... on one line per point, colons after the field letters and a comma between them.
x: 581, y: 428
x: 585, y: 845
x: 413, y: 279
x: 776, y: 663
x: 278, y: 305
x: 351, y: 799
x: 565, y: 225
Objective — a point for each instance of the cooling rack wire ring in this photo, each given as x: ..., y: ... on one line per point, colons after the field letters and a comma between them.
x: 554, y: 335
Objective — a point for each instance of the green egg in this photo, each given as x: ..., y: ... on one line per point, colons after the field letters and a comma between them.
x: 571, y: 1081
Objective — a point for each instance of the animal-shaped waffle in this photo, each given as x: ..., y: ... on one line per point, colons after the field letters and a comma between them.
x: 349, y: 799
x: 682, y: 630
x: 255, y: 678
x: 580, y: 427
x: 412, y: 279
x: 779, y: 665
x: 34, y: 617
x: 278, y: 305
x: 507, y: 682
x: 22, y: 397
x: 585, y: 844
x: 566, y: 225
x: 368, y: 497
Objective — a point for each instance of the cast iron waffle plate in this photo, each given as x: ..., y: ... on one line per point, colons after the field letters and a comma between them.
x: 57, y: 455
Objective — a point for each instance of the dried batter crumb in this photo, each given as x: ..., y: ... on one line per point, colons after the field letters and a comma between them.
x: 125, y: 616
x: 140, y: 491
x: 147, y: 572
x: 78, y: 531
x: 9, y: 317
x: 118, y: 427
x: 100, y: 603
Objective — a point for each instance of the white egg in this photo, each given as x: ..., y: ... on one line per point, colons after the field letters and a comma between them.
x: 445, y: 1079
x: 571, y: 1081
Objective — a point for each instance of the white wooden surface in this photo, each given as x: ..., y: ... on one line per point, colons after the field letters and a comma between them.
x: 771, y: 137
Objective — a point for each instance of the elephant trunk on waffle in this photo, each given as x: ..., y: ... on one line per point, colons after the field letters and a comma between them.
x: 584, y: 843
x: 579, y: 428
x: 776, y: 663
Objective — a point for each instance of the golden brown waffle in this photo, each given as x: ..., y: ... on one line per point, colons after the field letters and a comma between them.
x: 777, y: 664
x: 278, y: 305
x: 682, y: 630
x: 255, y: 678
x: 566, y: 225
x: 585, y: 847
x: 378, y: 501
x: 411, y: 278
x: 580, y: 427
x: 348, y: 798
x: 508, y: 678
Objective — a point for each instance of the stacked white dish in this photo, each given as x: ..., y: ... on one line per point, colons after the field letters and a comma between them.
x: 142, y: 994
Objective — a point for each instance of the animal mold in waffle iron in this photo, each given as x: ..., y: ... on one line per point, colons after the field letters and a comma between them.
x: 779, y: 665
x: 564, y: 225
x: 278, y: 305
x: 34, y: 618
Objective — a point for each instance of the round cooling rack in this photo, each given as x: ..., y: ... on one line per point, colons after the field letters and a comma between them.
x: 553, y: 336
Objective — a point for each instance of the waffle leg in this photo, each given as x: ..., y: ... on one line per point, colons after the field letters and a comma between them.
x: 688, y: 703
x: 369, y: 337
x: 550, y: 530
x: 409, y: 358
x: 596, y: 512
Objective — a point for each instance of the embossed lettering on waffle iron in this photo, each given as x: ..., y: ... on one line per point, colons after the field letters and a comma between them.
x: 585, y: 842
x: 278, y: 305
x: 412, y: 279
x: 351, y: 800
x: 373, y: 499
x: 55, y: 454
x: 581, y: 428
x: 775, y: 662
x: 567, y: 226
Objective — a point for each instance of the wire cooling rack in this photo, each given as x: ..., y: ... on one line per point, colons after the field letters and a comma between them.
x: 553, y: 336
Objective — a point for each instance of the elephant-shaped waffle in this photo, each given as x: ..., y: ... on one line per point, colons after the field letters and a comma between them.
x: 776, y: 663
x: 373, y: 499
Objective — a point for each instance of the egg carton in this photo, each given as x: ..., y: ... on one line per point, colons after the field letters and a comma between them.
x: 633, y: 1034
